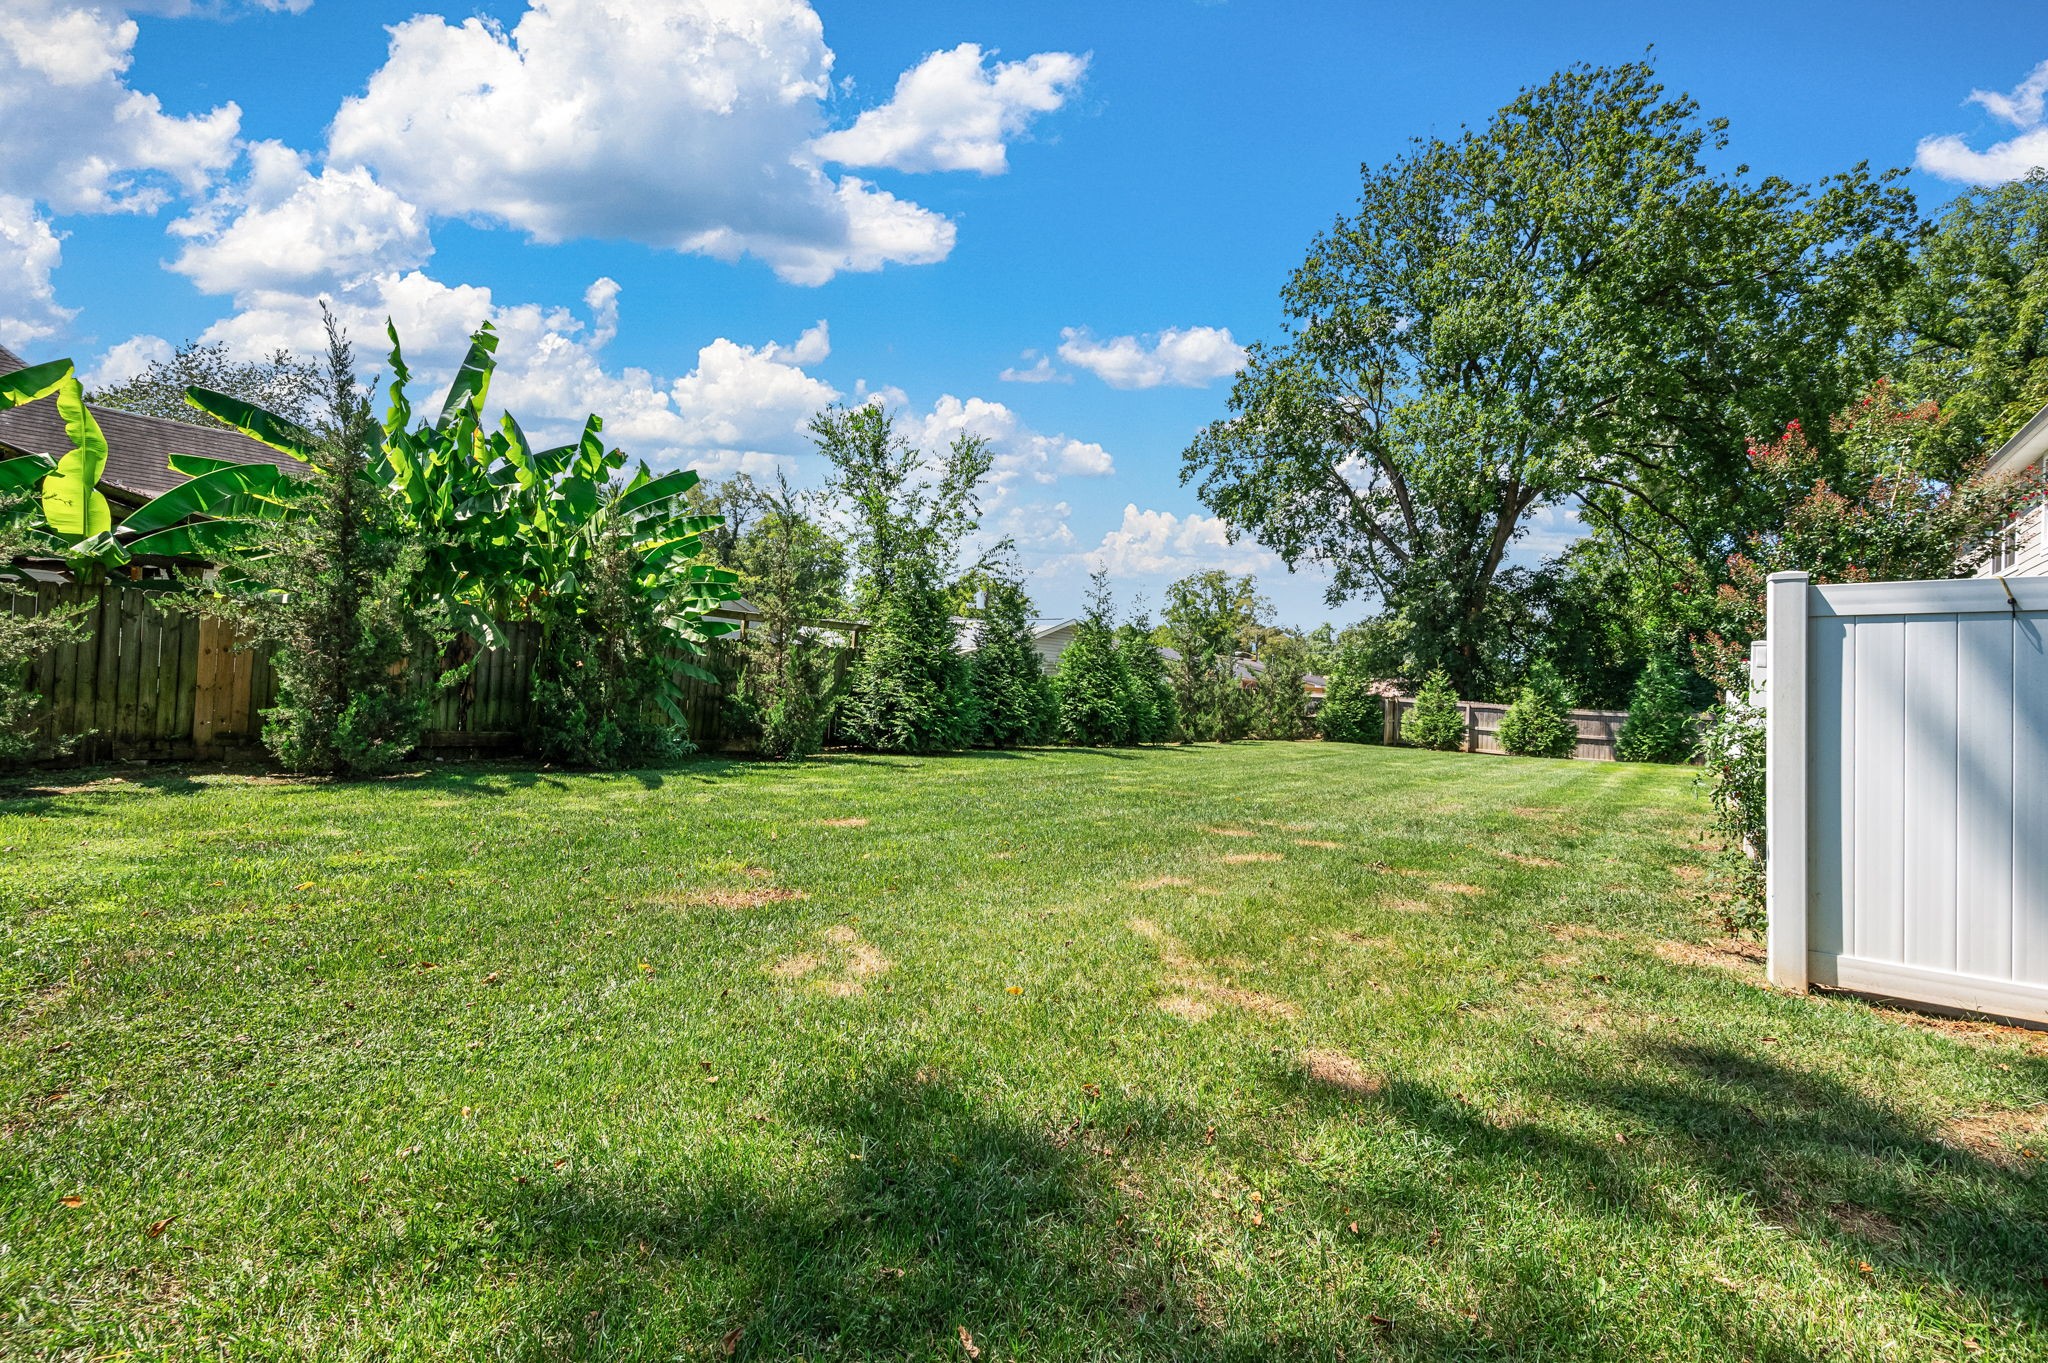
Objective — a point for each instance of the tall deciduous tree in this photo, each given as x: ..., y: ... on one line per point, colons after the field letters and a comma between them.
x: 908, y: 513
x: 280, y: 382
x: 1211, y: 617
x: 1975, y: 318
x: 1566, y: 307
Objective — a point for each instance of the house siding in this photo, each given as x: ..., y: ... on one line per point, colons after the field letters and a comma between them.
x: 2024, y: 551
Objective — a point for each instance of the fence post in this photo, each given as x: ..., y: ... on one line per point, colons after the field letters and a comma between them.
x: 1390, y: 720
x: 1786, y: 816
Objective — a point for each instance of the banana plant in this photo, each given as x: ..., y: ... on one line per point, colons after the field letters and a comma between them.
x: 77, y: 522
x: 508, y: 527
x: 21, y: 387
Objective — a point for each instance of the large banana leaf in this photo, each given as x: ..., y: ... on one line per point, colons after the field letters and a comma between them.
x: 286, y: 437
x: 28, y: 385
x: 473, y: 381
x: 198, y: 465
x: 24, y: 471
x: 72, y: 504
x: 640, y: 494
x: 235, y: 490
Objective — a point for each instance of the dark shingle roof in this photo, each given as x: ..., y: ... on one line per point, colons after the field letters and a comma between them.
x: 138, y: 447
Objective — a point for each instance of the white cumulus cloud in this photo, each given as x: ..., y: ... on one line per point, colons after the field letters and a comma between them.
x: 1184, y: 358
x: 1159, y: 543
x: 80, y: 139
x: 741, y: 406
x: 1040, y: 371
x: 1023, y: 457
x: 956, y: 111
x: 283, y: 227
x: 124, y: 361
x: 1952, y: 157
x: 681, y: 124
x: 29, y: 253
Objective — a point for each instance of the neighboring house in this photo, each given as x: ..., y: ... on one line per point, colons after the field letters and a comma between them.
x: 138, y: 447
x: 1050, y: 638
x: 2022, y: 549
x: 1248, y: 671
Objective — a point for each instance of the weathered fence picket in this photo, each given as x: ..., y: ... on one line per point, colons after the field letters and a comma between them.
x: 1599, y: 730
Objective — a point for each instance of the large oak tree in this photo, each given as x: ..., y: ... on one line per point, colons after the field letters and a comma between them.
x: 1573, y: 306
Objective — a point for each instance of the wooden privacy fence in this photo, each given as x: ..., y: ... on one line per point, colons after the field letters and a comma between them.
x: 1598, y: 729
x: 145, y: 682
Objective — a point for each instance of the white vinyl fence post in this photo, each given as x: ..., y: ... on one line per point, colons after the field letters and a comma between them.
x: 1786, y: 816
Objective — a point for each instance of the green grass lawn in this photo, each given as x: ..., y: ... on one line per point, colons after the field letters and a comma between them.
x: 1273, y: 1051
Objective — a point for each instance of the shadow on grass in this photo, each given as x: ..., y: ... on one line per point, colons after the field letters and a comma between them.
x: 1854, y: 1179
x: 937, y: 1211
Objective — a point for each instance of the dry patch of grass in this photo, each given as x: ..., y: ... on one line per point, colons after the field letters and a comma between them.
x: 1524, y: 859
x: 1864, y: 1222
x: 795, y: 967
x: 1163, y: 883
x: 1228, y: 832
x: 731, y: 899
x: 1245, y: 858
x: 1456, y: 887
x: 1200, y: 987
x: 1975, y: 1031
x: 1318, y: 842
x: 1339, y: 1070
x: 1408, y: 906
x: 1729, y: 953
x: 844, y: 823
x: 1579, y: 932
x: 852, y: 962
x: 2007, y: 1137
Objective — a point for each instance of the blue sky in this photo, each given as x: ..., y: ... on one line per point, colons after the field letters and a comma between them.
x: 659, y: 202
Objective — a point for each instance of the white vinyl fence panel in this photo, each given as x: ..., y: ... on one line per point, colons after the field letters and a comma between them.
x: 1908, y: 790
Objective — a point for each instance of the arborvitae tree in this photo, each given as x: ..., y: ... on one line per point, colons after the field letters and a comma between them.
x: 1437, y: 719
x: 1661, y: 725
x: 907, y: 515
x: 1537, y: 723
x: 1011, y: 690
x: 909, y: 690
x: 1351, y: 711
x: 1279, y: 699
x: 1154, y: 717
x: 791, y: 572
x: 331, y: 598
x: 1094, y: 680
